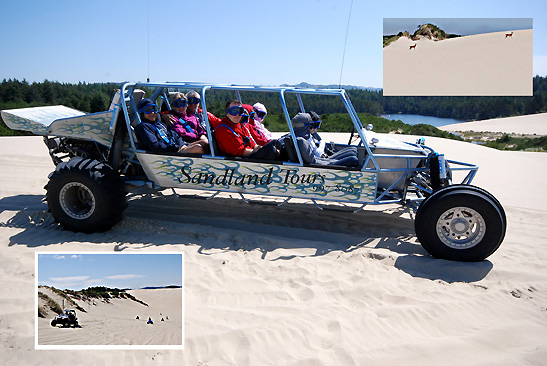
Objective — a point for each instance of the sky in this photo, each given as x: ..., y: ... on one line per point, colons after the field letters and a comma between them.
x: 76, y: 271
x: 268, y: 42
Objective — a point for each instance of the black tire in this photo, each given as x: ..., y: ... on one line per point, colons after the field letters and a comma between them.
x: 53, y: 323
x: 86, y: 195
x: 462, y: 223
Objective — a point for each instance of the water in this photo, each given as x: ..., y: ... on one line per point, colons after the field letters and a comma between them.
x: 414, y: 119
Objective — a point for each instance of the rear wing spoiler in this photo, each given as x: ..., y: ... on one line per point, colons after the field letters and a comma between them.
x: 37, y: 119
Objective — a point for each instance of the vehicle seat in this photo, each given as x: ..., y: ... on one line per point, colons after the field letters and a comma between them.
x: 291, y: 151
x: 214, y: 145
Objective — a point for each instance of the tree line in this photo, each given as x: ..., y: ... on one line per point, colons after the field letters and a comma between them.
x: 96, y: 97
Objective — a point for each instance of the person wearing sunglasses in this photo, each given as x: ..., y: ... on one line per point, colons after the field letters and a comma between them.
x: 186, y: 125
x: 193, y: 110
x: 153, y: 135
x: 305, y: 126
x: 257, y: 113
x: 234, y: 139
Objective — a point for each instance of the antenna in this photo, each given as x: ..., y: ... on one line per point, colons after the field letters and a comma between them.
x: 345, y: 41
x: 148, y: 42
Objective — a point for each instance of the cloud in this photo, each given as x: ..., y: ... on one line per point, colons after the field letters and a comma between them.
x: 74, y: 256
x: 124, y: 277
x: 69, y: 279
x: 57, y: 256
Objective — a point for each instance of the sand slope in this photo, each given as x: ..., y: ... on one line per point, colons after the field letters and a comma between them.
x: 114, y: 323
x: 482, y: 64
x: 298, y: 286
x: 529, y: 124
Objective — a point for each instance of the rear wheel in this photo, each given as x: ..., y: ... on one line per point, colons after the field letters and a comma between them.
x: 86, y: 195
x: 462, y: 223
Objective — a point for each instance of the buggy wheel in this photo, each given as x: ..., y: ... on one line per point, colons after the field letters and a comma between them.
x: 53, y: 323
x: 86, y: 195
x: 462, y: 223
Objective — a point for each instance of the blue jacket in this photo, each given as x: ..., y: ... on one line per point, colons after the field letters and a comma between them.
x: 149, y: 136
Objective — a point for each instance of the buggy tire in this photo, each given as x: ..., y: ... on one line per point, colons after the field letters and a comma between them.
x: 86, y: 195
x: 53, y: 323
x: 462, y: 223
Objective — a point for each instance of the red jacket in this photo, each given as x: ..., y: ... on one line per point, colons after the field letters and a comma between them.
x: 214, y: 121
x: 233, y: 138
x: 255, y: 132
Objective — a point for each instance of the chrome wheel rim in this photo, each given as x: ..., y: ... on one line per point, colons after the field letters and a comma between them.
x: 461, y: 228
x: 77, y: 200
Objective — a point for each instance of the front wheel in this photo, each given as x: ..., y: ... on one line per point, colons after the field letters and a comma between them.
x: 86, y: 195
x: 462, y: 223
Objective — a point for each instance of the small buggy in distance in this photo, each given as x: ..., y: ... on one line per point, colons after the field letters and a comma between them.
x: 66, y: 319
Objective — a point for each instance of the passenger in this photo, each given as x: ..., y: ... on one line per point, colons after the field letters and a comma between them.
x: 305, y: 128
x: 324, y: 150
x: 186, y: 125
x: 234, y: 139
x: 260, y: 134
x: 193, y: 109
x: 257, y: 113
x: 153, y: 135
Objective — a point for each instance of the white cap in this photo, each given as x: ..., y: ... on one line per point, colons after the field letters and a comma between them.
x: 260, y: 107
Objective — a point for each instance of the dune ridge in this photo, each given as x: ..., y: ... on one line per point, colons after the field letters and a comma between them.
x: 483, y: 64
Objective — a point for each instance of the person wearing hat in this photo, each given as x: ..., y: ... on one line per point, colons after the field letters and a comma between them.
x: 257, y: 113
x: 153, y: 135
x: 305, y: 129
x: 233, y: 137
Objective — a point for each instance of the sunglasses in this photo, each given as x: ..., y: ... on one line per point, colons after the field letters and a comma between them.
x: 193, y: 100
x: 236, y: 110
x: 315, y: 124
x: 260, y: 114
x: 150, y: 108
x: 180, y: 103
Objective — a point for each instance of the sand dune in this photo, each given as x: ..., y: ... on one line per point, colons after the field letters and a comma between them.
x: 115, y: 323
x: 527, y: 125
x: 295, y: 285
x: 482, y: 64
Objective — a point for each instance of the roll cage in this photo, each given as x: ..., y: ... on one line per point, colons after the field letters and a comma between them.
x: 404, y: 168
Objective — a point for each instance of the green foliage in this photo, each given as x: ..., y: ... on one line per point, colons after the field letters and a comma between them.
x: 42, y: 312
x: 507, y: 142
x: 52, y: 304
x: 105, y: 293
x: 387, y: 40
x: 368, y: 104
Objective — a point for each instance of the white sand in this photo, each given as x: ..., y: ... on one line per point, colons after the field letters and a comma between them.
x: 482, y: 64
x: 527, y: 125
x: 115, y: 323
x: 298, y: 286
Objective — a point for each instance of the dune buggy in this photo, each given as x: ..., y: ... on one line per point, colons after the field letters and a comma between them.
x: 99, y: 162
x: 66, y: 319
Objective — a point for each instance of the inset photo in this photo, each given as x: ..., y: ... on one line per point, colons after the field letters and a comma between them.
x: 458, y: 56
x: 109, y: 301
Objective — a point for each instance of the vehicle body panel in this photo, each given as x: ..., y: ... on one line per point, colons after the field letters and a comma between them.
x: 260, y: 178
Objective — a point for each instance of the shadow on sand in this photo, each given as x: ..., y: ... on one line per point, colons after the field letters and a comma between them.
x: 232, y: 225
